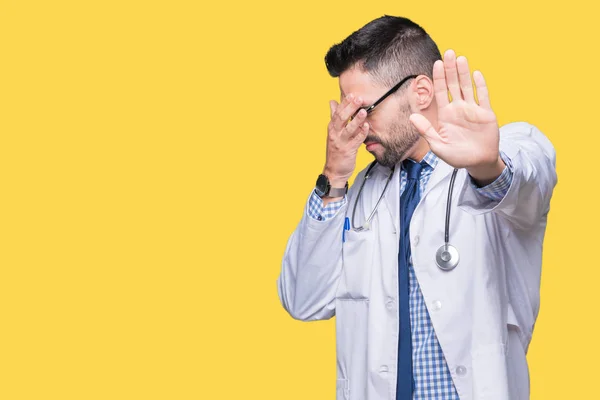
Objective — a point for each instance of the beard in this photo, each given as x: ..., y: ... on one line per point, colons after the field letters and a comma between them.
x: 402, y: 137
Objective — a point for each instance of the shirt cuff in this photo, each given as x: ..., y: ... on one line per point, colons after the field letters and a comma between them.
x: 497, y: 189
x: 320, y: 213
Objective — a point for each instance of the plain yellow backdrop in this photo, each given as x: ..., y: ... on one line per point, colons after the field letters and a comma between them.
x: 156, y: 155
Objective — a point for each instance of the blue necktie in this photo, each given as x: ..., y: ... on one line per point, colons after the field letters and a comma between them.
x: 408, y: 203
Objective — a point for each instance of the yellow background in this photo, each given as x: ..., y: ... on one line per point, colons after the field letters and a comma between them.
x: 156, y: 155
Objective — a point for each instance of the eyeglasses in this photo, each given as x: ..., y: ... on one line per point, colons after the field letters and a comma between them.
x: 370, y: 108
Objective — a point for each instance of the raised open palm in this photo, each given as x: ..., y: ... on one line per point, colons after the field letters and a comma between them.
x: 467, y: 134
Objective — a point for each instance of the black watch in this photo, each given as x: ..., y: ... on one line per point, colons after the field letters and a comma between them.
x: 324, y: 189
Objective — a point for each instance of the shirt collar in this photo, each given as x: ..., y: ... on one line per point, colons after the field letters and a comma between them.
x: 431, y: 159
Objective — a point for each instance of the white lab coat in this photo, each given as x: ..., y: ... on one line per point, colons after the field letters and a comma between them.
x: 483, y: 311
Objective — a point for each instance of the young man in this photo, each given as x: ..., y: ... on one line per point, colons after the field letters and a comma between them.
x: 431, y: 261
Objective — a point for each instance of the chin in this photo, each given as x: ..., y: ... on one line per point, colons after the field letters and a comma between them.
x: 384, y: 161
x: 377, y: 153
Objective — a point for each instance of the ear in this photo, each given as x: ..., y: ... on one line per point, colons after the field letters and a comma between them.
x: 424, y: 94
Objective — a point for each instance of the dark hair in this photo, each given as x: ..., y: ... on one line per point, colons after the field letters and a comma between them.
x: 388, y: 48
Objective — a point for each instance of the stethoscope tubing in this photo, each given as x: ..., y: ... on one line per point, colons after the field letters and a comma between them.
x: 446, y: 250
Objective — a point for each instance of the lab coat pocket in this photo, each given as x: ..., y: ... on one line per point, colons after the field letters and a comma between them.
x: 513, y: 323
x: 351, y: 347
x: 342, y: 390
x: 357, y: 257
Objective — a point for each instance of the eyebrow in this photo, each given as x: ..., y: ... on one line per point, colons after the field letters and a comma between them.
x: 365, y: 104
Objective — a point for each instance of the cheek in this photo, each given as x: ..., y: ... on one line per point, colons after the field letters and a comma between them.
x: 376, y: 123
x: 378, y: 127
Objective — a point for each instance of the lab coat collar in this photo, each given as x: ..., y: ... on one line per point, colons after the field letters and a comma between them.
x: 441, y: 171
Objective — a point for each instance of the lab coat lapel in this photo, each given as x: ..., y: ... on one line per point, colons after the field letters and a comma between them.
x: 392, y: 197
x: 439, y: 175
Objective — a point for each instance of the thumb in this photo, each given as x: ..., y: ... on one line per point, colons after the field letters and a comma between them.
x: 333, y: 106
x: 424, y: 127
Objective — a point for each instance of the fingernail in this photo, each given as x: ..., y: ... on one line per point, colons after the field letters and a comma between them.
x: 350, y: 96
x: 358, y: 100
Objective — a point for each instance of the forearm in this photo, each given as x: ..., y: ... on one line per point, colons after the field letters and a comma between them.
x: 311, y: 267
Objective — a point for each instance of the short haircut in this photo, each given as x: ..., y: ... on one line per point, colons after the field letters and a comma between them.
x: 388, y: 48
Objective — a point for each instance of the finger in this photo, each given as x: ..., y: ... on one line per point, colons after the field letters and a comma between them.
x: 333, y: 106
x: 353, y: 126
x: 424, y: 127
x: 464, y: 78
x: 338, y: 119
x: 361, y: 135
x: 482, y: 90
x: 351, y: 108
x: 451, y: 74
x: 439, y: 84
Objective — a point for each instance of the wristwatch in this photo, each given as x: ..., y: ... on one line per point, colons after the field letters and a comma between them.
x: 324, y: 189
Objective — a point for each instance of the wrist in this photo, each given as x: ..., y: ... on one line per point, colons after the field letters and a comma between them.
x: 335, y: 180
x: 329, y: 186
x: 485, y: 174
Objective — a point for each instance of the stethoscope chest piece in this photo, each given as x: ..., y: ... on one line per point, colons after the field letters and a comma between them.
x: 447, y: 257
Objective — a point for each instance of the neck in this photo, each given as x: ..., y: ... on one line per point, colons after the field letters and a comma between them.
x: 419, y: 150
x: 421, y: 147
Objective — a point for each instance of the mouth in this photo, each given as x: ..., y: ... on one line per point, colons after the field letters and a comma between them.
x: 371, y: 145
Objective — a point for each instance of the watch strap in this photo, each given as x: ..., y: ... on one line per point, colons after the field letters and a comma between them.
x: 337, y: 192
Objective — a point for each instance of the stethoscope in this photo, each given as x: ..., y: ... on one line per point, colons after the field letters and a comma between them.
x: 447, y: 256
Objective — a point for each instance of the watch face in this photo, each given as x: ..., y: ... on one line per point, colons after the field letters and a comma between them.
x: 321, y: 186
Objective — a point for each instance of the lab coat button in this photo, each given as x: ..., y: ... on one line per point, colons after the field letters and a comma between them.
x: 383, y: 369
x: 389, y: 304
x: 461, y: 370
x: 436, y: 305
x: 416, y: 240
x: 410, y: 260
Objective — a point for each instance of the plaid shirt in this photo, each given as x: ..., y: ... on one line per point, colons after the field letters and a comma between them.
x: 432, y: 377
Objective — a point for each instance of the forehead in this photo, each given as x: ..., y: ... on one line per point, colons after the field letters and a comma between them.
x: 359, y: 83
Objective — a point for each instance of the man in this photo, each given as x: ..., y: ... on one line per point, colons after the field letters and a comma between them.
x: 428, y: 305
